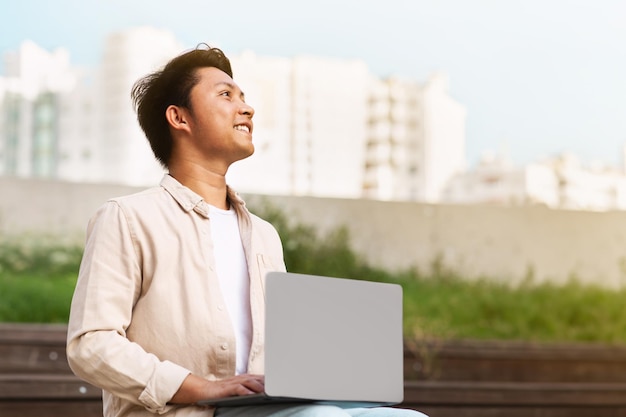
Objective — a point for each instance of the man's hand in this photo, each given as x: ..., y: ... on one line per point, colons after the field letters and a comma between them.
x: 195, y: 388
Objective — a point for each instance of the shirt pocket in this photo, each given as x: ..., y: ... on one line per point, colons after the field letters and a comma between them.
x: 267, y: 264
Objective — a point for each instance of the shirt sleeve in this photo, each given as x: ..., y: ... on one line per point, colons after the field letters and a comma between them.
x: 108, y: 286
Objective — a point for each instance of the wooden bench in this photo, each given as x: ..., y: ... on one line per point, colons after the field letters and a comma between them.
x: 35, y: 378
x: 516, y: 399
x: 514, y: 361
x: 509, y: 378
x: 443, y: 379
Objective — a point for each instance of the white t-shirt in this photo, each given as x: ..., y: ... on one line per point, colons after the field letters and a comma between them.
x: 232, y: 272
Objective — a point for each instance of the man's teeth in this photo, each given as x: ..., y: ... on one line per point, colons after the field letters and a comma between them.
x: 242, y: 127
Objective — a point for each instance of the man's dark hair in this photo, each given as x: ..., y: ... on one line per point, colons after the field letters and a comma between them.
x: 172, y: 85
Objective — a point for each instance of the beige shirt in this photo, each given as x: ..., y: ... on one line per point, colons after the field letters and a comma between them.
x: 148, y: 310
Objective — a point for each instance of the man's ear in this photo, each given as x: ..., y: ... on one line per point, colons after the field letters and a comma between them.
x: 177, y: 117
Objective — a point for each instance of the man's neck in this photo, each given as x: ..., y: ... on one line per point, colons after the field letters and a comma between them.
x: 210, y: 185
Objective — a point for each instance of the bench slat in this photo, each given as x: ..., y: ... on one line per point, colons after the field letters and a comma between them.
x: 524, y: 394
x: 66, y: 408
x: 44, y: 386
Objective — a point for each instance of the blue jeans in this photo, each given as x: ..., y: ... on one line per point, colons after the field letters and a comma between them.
x: 313, y: 411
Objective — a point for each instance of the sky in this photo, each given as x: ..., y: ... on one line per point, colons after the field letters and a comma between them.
x: 537, y: 77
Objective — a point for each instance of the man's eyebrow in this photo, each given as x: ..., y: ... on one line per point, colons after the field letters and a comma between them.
x: 231, y: 86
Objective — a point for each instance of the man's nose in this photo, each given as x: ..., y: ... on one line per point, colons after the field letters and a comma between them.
x: 247, y: 110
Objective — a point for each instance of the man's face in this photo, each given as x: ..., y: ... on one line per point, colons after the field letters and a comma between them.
x: 220, y: 120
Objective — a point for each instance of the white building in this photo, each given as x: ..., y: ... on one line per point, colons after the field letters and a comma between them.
x: 78, y: 130
x: 416, y: 140
x: 35, y: 83
x: 310, y: 125
x: 266, y: 82
x: 394, y: 152
x: 560, y: 182
x: 67, y: 123
x: 317, y: 122
x: 329, y: 126
x: 495, y: 180
x: 587, y: 188
x: 123, y: 152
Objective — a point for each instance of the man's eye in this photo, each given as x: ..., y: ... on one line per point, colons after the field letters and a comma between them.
x: 225, y: 93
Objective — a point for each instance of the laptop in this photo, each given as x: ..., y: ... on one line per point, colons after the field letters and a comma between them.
x: 331, y: 341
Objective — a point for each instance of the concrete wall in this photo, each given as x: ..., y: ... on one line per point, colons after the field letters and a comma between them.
x: 506, y: 244
x: 51, y: 207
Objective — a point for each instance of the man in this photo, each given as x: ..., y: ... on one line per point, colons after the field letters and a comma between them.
x: 169, y: 308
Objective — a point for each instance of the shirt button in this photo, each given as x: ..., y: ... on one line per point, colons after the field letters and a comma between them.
x: 220, y: 308
x: 224, y: 346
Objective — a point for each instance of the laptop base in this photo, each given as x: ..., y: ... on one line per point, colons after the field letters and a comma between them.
x: 264, y: 399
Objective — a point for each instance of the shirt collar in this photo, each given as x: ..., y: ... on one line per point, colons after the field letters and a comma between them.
x: 189, y: 200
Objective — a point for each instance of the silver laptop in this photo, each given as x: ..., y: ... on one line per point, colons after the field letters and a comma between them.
x: 330, y: 340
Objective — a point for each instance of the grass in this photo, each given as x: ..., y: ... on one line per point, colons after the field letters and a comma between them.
x: 435, y: 307
x: 454, y: 308
x: 443, y: 305
x: 37, y: 279
x: 35, y: 298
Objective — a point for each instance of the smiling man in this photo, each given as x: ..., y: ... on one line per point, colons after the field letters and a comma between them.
x: 168, y: 308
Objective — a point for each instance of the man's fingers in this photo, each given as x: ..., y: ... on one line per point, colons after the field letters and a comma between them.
x: 243, y: 385
x: 255, y: 385
x: 252, y: 383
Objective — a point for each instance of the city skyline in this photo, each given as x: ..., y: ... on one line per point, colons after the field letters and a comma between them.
x: 402, y: 139
x: 537, y: 78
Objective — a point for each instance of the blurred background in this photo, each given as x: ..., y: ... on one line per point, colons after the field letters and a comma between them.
x: 485, y: 136
x: 450, y: 101
x: 471, y: 150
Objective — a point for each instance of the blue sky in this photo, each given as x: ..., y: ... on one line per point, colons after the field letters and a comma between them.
x: 537, y: 77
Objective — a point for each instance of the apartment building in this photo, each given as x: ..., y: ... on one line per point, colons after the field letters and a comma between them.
x: 310, y: 125
x: 31, y: 92
x: 324, y: 126
x: 561, y: 182
x: 415, y: 139
x: 123, y: 152
x: 59, y: 121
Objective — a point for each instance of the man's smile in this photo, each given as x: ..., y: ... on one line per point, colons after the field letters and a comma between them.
x: 243, y: 127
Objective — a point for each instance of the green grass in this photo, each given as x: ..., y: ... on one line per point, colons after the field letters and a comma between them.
x: 35, y: 298
x: 454, y: 308
x: 435, y: 307
x: 37, y: 279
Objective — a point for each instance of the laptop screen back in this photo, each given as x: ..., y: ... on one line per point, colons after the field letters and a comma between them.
x: 333, y: 339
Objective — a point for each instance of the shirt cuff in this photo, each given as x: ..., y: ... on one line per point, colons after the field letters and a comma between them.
x: 164, y: 383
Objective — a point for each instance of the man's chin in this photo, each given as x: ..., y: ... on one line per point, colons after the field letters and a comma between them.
x: 250, y: 152
x: 245, y: 153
